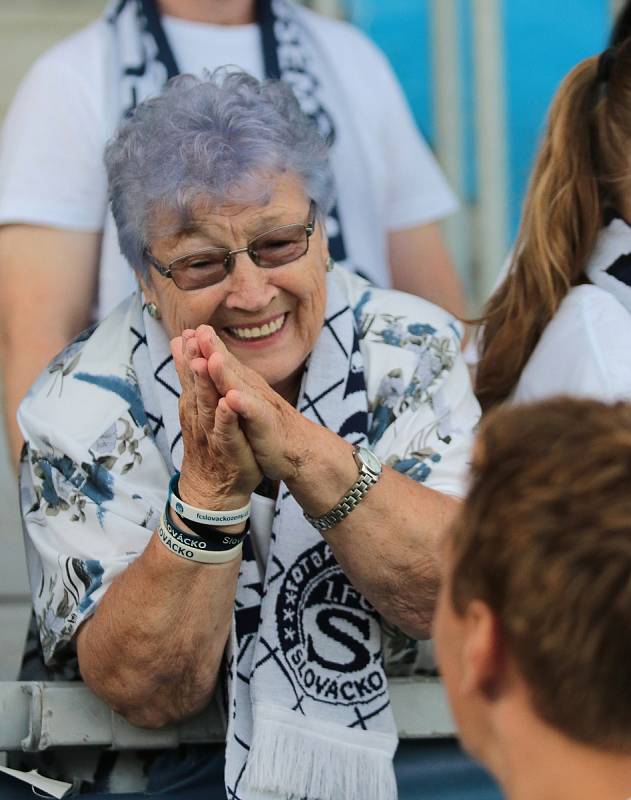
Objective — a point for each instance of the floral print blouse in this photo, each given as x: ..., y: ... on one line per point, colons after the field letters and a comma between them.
x: 93, y: 482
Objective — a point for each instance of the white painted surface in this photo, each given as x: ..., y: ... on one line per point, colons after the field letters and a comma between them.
x: 491, y: 231
x: 448, y: 109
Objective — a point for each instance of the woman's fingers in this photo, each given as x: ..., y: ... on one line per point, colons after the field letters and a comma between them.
x: 241, y: 404
x: 207, y: 339
x: 206, y: 393
x: 210, y: 428
x: 222, y: 374
x: 225, y: 370
x: 254, y: 416
x: 191, y: 348
x: 177, y: 345
x: 227, y: 425
x: 233, y: 443
x: 268, y: 431
x: 181, y: 359
x: 187, y: 403
x: 211, y: 345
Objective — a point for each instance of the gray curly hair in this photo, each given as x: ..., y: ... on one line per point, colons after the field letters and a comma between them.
x: 216, y: 140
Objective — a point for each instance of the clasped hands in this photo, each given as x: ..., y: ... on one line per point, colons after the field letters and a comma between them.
x: 235, y: 427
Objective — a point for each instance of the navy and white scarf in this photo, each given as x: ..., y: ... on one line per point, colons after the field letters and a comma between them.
x: 141, y: 61
x: 307, y: 703
x: 609, y: 266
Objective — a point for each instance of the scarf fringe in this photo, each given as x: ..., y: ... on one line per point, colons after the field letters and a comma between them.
x: 299, y: 759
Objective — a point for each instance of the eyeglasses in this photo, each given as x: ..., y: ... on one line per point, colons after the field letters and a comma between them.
x: 207, y: 267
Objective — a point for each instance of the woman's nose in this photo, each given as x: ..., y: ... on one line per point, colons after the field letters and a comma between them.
x: 249, y: 286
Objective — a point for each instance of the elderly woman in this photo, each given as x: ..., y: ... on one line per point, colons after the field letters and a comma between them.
x: 250, y: 462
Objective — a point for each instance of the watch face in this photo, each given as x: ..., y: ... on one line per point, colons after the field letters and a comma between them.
x: 369, y: 459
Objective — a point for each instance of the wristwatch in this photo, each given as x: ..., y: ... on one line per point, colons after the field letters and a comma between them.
x: 369, y: 472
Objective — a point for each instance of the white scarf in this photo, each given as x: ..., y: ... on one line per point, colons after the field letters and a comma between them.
x: 308, y: 709
x: 610, y: 264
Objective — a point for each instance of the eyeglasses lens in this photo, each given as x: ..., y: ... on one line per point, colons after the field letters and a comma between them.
x: 272, y: 249
x: 280, y: 246
x: 200, y: 270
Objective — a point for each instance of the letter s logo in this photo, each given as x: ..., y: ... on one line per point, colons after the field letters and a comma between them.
x: 325, y: 620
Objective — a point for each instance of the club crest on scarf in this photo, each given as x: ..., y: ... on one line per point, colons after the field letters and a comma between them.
x: 328, y: 632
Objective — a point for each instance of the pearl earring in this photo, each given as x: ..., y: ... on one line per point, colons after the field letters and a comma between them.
x: 153, y: 311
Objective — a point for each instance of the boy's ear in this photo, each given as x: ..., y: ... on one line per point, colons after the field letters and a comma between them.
x: 483, y: 655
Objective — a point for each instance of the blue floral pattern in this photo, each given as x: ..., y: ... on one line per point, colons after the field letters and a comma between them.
x: 434, y: 354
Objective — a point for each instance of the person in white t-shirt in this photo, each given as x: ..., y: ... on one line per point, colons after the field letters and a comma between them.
x: 560, y: 322
x: 60, y: 263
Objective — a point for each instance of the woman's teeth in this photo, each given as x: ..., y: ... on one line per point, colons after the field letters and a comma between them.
x: 259, y: 332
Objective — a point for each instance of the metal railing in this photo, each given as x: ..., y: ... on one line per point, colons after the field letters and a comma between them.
x: 35, y: 716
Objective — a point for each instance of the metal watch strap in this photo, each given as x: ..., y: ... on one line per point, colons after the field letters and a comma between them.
x: 351, y: 500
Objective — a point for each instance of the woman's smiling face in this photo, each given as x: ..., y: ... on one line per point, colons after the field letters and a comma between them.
x: 269, y: 318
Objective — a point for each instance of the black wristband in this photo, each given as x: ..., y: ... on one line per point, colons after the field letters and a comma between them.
x: 210, y: 537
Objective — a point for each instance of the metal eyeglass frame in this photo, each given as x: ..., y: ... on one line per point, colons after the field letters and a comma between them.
x: 229, y: 258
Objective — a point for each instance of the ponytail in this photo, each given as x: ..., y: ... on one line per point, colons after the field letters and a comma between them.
x: 562, y: 215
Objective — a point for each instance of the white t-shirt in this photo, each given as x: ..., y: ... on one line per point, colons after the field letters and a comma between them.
x: 51, y: 170
x: 584, y: 351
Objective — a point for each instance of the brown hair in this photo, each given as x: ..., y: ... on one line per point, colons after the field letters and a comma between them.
x: 582, y: 160
x: 544, y: 538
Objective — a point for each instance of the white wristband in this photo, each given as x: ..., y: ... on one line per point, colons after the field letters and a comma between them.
x: 193, y: 554
x: 233, y: 517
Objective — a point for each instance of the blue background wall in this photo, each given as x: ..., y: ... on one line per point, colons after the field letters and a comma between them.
x: 542, y: 41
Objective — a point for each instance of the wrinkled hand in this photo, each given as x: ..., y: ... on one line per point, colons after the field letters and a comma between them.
x: 219, y: 468
x: 276, y: 432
